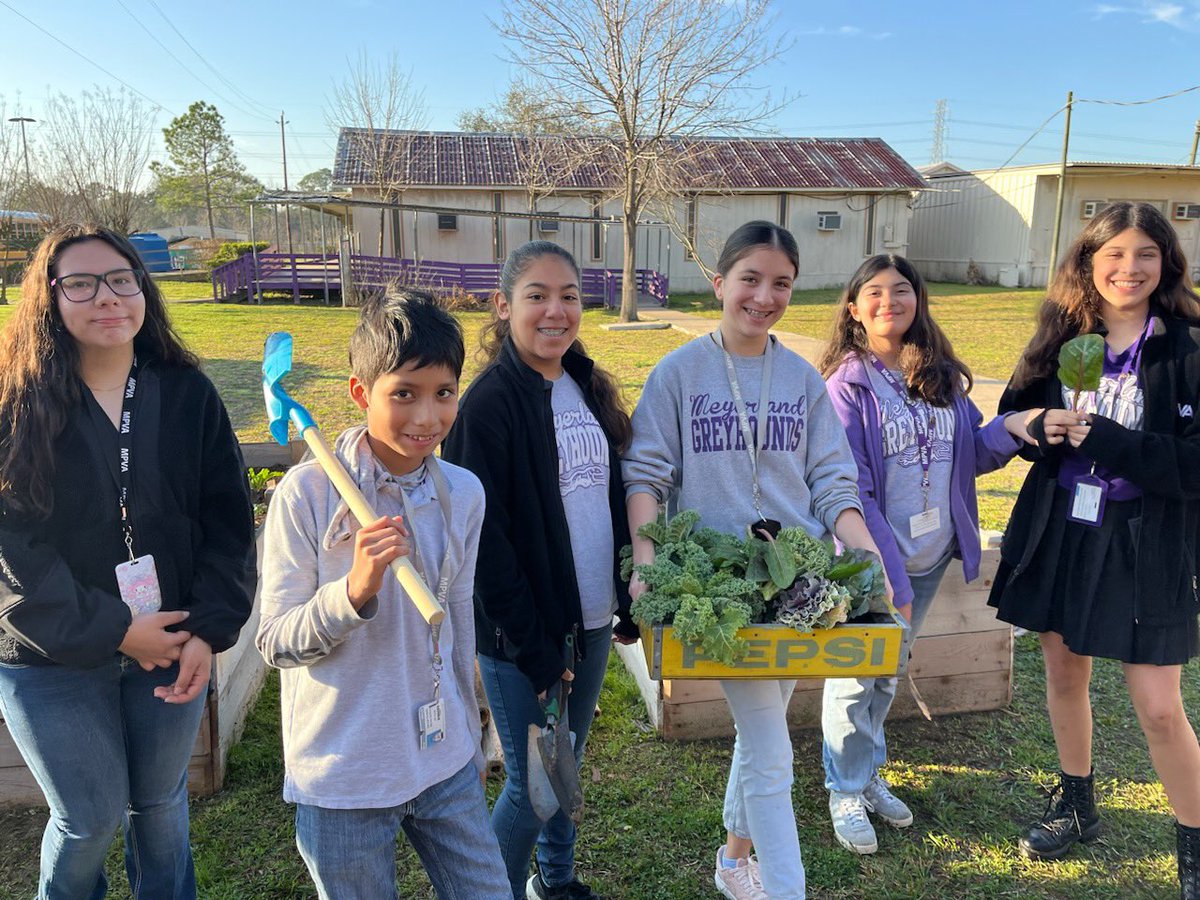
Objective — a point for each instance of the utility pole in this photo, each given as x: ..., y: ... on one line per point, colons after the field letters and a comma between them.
x: 21, y: 120
x: 1195, y: 144
x: 938, y: 153
x: 1062, y: 190
x: 287, y: 210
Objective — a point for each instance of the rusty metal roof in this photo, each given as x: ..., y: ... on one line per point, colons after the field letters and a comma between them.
x: 487, y: 160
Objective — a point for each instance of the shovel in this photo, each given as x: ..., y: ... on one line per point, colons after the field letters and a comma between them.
x: 277, y: 362
x: 550, y: 759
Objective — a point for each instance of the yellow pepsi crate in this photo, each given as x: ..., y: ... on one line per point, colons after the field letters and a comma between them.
x: 777, y: 651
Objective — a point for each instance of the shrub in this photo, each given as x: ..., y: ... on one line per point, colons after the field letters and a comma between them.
x: 231, y: 250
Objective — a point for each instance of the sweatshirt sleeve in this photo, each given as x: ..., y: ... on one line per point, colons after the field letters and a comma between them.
x: 1167, y: 465
x: 302, y: 620
x: 44, y: 608
x: 829, y: 468
x: 481, y: 442
x: 847, y: 403
x: 651, y: 464
x: 461, y: 612
x: 222, y: 592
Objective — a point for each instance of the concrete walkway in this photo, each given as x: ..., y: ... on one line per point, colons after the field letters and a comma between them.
x: 986, y: 392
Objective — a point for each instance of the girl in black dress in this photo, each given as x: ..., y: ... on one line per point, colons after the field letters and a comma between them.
x: 1100, y: 553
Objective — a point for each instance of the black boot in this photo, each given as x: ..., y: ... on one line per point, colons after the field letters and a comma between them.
x: 1074, y: 818
x: 1187, y: 842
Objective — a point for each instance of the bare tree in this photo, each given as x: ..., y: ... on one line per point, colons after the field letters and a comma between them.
x: 379, y: 107
x: 10, y: 158
x: 93, y: 155
x: 652, y: 73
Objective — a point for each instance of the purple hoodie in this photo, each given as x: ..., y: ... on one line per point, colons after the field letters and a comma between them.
x: 977, y: 450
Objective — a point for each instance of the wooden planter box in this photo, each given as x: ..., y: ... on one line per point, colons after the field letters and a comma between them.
x: 962, y: 662
x: 237, y: 677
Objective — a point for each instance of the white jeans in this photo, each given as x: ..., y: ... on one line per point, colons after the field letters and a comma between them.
x: 758, y: 798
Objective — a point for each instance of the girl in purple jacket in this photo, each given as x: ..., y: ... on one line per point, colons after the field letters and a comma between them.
x: 919, y: 443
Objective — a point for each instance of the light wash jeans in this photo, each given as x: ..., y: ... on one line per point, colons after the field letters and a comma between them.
x: 107, y: 754
x: 758, y: 796
x: 351, y: 853
x: 514, y: 708
x: 853, y: 710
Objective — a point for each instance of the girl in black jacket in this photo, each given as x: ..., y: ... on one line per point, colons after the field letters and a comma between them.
x: 1100, y: 553
x: 126, y: 544
x: 543, y: 428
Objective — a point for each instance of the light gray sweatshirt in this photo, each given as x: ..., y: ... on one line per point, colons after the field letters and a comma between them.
x: 687, y: 443
x: 352, y: 682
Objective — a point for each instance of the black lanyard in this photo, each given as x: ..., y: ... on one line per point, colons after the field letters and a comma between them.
x: 124, y: 468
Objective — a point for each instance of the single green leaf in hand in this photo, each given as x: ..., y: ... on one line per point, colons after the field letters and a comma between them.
x: 1081, y: 363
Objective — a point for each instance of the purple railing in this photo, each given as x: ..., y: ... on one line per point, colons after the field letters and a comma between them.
x: 311, y: 273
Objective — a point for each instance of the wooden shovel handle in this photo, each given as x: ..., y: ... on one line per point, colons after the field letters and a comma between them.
x: 410, y: 579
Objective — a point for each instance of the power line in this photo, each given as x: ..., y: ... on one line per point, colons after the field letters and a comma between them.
x: 1169, y: 96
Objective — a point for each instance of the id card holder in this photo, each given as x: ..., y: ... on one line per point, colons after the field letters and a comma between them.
x: 924, y: 523
x: 1088, y: 494
x: 137, y: 581
x: 431, y: 717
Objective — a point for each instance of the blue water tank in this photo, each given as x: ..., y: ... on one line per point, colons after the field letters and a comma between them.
x: 152, y: 248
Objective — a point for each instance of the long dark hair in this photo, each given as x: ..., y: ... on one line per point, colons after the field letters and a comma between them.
x: 931, y: 369
x: 39, y: 367
x: 610, y: 406
x: 1072, y: 304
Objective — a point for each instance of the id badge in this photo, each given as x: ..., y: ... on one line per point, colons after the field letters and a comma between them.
x: 137, y: 581
x: 1088, y: 494
x: 925, y: 522
x: 431, y: 717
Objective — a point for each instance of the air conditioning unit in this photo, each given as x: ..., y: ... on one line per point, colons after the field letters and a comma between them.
x: 1183, y: 211
x: 548, y: 226
x: 1091, y: 208
x: 447, y: 222
x: 829, y: 221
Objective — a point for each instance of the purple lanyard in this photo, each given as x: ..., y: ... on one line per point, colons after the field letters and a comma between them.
x: 1135, y: 356
x: 921, y: 425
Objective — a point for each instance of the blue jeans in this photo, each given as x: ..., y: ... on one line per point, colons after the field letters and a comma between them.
x: 514, y: 708
x: 351, y: 853
x: 107, y: 754
x: 854, y: 709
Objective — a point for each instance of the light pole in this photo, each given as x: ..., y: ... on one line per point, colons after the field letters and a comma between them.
x: 21, y: 120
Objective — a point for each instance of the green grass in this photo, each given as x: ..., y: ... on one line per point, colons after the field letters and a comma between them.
x: 653, y: 818
x: 988, y: 326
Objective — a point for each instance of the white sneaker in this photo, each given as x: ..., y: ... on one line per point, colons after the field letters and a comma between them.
x: 741, y: 883
x: 882, y: 802
x: 850, y: 823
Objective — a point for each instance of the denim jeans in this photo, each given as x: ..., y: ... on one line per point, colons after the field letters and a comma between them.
x: 351, y: 853
x: 758, y: 795
x: 106, y: 753
x: 514, y: 708
x: 854, y: 709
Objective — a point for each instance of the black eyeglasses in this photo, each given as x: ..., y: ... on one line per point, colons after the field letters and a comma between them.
x: 82, y: 286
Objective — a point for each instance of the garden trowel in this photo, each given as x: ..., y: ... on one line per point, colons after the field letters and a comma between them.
x: 550, y: 759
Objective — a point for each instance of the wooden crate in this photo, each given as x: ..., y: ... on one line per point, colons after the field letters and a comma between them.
x: 962, y: 662
x: 237, y: 677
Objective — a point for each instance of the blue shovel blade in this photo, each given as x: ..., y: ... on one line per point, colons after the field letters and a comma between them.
x: 277, y: 357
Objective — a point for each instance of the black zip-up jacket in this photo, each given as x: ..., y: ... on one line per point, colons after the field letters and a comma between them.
x: 1163, y: 460
x: 526, y: 595
x: 190, y: 506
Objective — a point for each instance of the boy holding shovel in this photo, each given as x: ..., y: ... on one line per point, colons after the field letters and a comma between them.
x: 381, y: 728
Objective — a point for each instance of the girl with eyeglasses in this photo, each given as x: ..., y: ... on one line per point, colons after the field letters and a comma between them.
x: 126, y: 542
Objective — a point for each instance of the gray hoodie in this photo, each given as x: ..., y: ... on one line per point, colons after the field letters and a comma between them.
x: 686, y: 439
x: 352, y: 681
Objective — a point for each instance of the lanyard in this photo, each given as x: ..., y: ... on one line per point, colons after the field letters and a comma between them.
x: 443, y: 585
x: 922, y: 426
x: 1135, y: 356
x: 764, y: 395
x: 125, y: 456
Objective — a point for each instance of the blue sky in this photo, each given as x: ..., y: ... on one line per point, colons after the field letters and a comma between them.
x: 859, y: 68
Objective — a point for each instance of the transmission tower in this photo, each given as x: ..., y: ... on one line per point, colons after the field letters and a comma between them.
x: 938, y: 153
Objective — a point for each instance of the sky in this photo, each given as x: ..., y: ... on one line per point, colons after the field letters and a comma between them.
x: 856, y: 69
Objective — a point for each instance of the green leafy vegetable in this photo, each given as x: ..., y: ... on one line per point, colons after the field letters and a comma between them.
x: 1080, y: 364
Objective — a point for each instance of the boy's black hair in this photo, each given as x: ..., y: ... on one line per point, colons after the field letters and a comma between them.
x: 404, y: 325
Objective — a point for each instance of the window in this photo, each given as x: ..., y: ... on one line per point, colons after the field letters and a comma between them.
x: 548, y: 226
x: 1186, y: 211
x: 597, y: 230
x: 447, y: 222
x: 690, y: 213
x: 1091, y: 208
x: 829, y: 220
x: 497, y: 227
x: 783, y: 210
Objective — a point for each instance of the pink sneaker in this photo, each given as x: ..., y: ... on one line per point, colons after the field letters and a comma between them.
x: 741, y: 883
